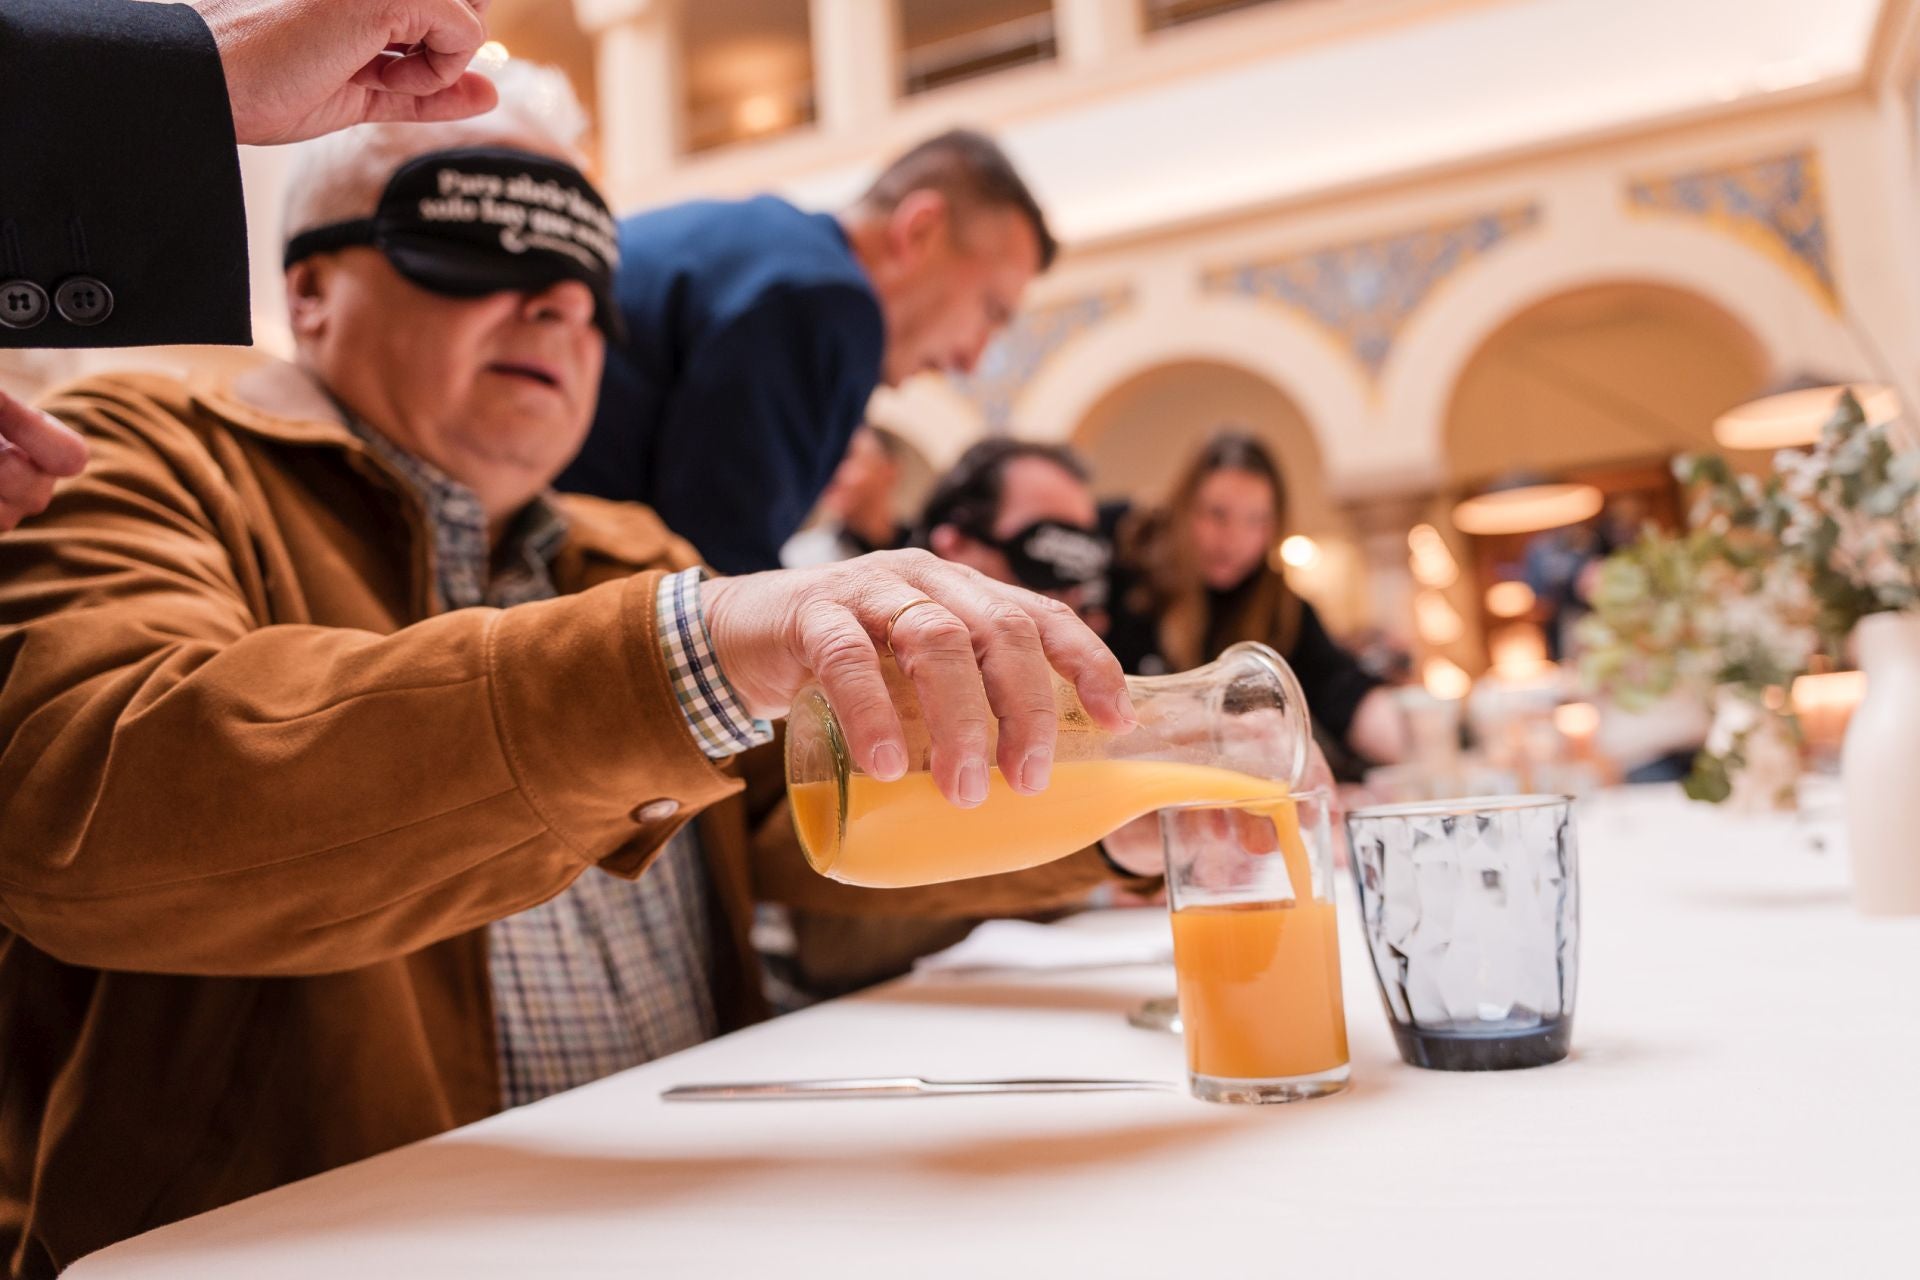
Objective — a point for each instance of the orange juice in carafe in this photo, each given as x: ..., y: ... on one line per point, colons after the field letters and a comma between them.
x: 907, y: 833
x: 1231, y: 732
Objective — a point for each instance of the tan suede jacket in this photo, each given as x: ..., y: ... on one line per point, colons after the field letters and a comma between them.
x: 258, y: 804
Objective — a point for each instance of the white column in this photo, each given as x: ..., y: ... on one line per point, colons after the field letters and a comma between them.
x: 856, y: 62
x: 1092, y: 32
x: 642, y: 116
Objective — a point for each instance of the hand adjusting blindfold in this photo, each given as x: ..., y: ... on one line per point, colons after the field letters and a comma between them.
x: 472, y: 222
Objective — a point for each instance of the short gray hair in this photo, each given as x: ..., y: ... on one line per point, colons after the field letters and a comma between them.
x: 339, y: 177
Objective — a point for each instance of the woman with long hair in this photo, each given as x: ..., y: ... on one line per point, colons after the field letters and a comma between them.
x: 1198, y: 578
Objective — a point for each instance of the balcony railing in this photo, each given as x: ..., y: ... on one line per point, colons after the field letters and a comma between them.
x: 1162, y: 14
x: 774, y: 110
x: 1018, y: 42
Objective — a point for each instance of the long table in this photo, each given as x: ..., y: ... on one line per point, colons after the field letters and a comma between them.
x: 1743, y: 1100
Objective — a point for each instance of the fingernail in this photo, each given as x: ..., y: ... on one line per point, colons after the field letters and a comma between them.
x: 1036, y: 771
x: 889, y: 762
x: 973, y: 782
x: 1123, y: 707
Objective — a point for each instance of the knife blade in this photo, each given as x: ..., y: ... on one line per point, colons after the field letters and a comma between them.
x: 896, y: 1087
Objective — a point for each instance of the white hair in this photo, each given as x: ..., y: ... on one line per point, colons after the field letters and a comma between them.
x: 340, y: 177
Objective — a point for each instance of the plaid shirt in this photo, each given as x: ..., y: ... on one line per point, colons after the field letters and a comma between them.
x: 611, y: 973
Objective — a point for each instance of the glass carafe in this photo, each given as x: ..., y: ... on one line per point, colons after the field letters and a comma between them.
x: 1234, y: 730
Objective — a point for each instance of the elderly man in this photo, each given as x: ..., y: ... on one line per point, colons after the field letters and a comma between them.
x: 308, y: 681
x: 917, y: 275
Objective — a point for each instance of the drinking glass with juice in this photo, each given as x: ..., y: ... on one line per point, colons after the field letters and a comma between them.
x: 1256, y: 949
x: 1232, y: 732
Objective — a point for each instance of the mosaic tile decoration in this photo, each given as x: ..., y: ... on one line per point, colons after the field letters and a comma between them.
x: 1363, y: 293
x: 1016, y: 357
x: 1775, y: 205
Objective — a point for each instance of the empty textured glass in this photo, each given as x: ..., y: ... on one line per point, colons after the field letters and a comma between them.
x: 1472, y: 914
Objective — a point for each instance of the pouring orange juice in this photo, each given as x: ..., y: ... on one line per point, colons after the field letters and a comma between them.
x: 1232, y: 732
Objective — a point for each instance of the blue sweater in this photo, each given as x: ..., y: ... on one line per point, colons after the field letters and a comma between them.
x: 754, y: 342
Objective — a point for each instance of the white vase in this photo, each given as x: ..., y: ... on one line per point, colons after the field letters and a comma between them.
x: 1880, y: 768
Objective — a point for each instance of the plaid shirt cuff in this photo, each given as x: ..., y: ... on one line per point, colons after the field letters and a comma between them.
x: 720, y: 724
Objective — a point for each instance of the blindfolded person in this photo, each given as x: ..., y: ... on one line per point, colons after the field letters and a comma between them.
x: 1024, y: 513
x: 333, y: 744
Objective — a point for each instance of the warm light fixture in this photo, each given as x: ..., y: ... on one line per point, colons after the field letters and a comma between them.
x: 1793, y: 415
x: 492, y: 54
x: 1511, y: 599
x: 1431, y: 560
x: 761, y: 113
x: 1527, y: 506
x: 1444, y: 679
x: 1518, y: 653
x: 1437, y: 621
x: 1299, y: 551
x: 1577, y: 720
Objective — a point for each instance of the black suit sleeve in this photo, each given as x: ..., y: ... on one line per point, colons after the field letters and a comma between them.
x: 760, y: 420
x: 121, y: 215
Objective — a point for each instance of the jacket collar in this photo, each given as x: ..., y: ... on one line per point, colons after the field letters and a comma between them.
x: 278, y: 401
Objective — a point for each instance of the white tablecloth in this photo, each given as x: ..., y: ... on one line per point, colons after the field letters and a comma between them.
x: 1743, y: 1100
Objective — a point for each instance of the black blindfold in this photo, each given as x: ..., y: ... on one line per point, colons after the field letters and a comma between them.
x: 1050, y: 556
x: 469, y: 223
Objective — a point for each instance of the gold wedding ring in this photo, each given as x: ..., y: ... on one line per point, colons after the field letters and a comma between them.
x: 900, y: 613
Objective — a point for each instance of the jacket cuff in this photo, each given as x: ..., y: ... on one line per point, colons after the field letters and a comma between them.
x: 591, y: 725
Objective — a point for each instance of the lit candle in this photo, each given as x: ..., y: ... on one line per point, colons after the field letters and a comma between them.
x: 1824, y: 704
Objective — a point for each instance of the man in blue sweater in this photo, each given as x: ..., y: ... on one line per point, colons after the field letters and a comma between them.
x: 756, y: 334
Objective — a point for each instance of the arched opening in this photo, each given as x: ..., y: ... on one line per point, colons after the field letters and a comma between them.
x: 1139, y: 436
x: 1597, y: 376
x: 1603, y: 385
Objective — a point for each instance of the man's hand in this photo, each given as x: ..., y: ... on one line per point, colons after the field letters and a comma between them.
x: 301, y: 68
x: 773, y: 632
x: 34, y: 452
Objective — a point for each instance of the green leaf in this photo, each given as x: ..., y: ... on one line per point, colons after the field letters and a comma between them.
x: 1708, y: 781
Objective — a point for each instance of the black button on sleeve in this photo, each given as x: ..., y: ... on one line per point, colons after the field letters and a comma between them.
x: 23, y: 304
x: 83, y: 301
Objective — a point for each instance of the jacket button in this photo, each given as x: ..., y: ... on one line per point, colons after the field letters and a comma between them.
x: 23, y: 304
x: 655, y: 811
x: 83, y: 301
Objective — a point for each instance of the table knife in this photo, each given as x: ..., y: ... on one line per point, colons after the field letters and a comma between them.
x: 896, y: 1087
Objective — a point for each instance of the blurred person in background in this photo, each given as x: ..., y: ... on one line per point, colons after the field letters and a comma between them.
x: 756, y: 334
x: 1023, y: 512
x: 858, y: 513
x: 1198, y: 576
